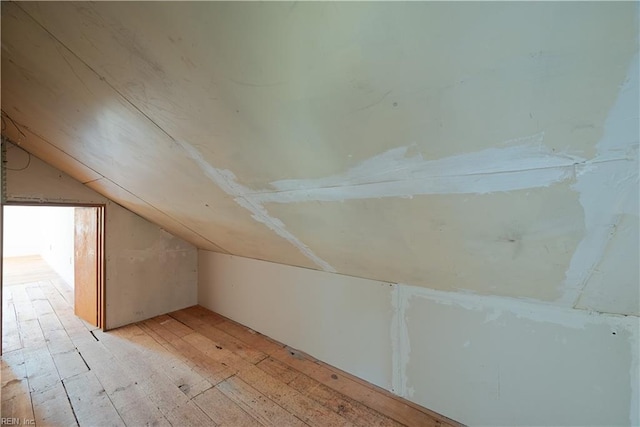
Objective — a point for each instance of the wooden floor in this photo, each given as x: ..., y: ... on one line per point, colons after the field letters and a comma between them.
x: 190, y: 367
x: 25, y: 269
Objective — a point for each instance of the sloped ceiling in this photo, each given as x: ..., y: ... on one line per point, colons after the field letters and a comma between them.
x: 478, y: 147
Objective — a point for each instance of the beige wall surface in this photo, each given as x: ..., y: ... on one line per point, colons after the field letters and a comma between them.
x: 148, y: 271
x: 490, y: 361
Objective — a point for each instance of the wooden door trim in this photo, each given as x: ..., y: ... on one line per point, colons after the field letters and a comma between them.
x: 102, y: 273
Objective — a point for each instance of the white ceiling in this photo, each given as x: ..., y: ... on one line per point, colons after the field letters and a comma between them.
x: 479, y: 147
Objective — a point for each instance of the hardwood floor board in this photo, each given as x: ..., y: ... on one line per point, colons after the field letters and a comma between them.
x: 49, y: 322
x: 58, y: 341
x: 90, y: 402
x: 41, y: 370
x: 163, y: 392
x: 263, y: 409
x: 208, y: 316
x: 208, y: 368
x: 14, y: 377
x: 31, y: 335
x: 69, y: 364
x: 188, y: 414
x: 161, y: 387
x: 40, y: 304
x: 220, y: 337
x: 249, y: 336
x: 25, y: 269
x: 306, y: 409
x: 217, y: 352
x: 11, y: 335
x: 141, y: 412
x: 169, y: 341
x: 389, y: 406
x: 18, y: 406
x: 222, y: 410
x: 121, y: 387
x: 277, y: 369
x: 23, y: 308
x: 14, y: 387
x: 182, y: 376
x: 174, y: 405
x: 55, y: 296
x: 15, y: 397
x: 52, y: 407
x: 117, y: 382
x: 70, y: 323
x: 121, y: 347
x: 12, y: 366
x: 348, y: 408
x: 63, y: 289
x: 177, y: 328
x: 34, y: 292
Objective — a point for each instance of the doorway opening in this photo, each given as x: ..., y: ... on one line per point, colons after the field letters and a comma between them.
x: 60, y: 245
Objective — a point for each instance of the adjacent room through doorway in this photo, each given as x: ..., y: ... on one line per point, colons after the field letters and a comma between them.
x: 60, y: 247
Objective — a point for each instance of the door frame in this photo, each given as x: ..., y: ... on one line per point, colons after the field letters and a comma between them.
x: 102, y: 275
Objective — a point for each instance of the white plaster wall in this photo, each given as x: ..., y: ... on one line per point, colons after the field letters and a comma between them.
x: 57, y: 239
x: 156, y: 272
x: 21, y: 238
x: 344, y: 321
x: 148, y: 271
x: 479, y: 360
x: 511, y: 363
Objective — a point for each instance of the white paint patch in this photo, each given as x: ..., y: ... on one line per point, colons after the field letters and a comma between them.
x: 400, y: 345
x: 608, y: 189
x: 527, y: 309
x: 523, y: 163
x: 634, y: 415
x: 226, y: 180
x: 260, y: 214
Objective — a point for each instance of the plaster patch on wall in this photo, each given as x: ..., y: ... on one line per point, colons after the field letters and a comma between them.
x: 400, y: 345
x: 608, y: 189
x: 532, y: 310
x: 523, y: 163
x: 226, y: 180
x: 634, y: 377
x: 495, y: 307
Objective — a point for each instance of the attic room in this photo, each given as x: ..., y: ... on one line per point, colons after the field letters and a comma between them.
x: 324, y: 213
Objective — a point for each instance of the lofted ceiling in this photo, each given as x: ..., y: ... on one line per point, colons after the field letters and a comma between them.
x: 478, y: 147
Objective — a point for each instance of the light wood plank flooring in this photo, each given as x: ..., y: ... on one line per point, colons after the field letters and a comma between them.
x: 191, y: 367
x: 25, y: 269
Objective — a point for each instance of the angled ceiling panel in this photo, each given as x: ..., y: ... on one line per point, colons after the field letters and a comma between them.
x: 447, y: 145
